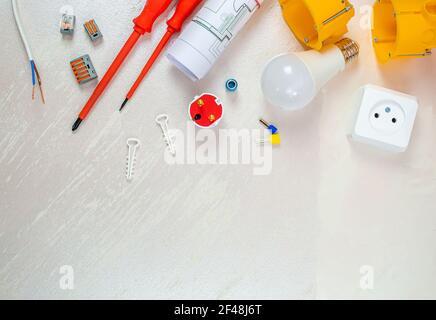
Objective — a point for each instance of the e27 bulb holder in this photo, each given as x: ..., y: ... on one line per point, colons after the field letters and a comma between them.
x: 404, y: 28
x: 317, y: 23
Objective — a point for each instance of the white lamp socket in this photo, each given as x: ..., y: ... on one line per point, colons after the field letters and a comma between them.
x: 385, y: 118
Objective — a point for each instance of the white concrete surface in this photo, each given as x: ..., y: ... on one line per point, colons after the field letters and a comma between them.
x: 329, y: 207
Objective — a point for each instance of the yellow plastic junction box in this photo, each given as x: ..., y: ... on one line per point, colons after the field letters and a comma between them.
x: 317, y: 23
x: 404, y: 28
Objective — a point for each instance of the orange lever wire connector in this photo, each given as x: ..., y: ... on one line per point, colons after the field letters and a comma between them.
x: 183, y: 10
x: 143, y: 24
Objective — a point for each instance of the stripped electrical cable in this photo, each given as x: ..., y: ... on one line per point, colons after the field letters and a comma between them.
x: 36, y: 78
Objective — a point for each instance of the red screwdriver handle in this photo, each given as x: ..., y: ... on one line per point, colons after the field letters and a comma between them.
x: 184, y: 9
x: 152, y: 10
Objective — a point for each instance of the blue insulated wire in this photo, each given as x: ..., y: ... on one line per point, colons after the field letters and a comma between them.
x: 32, y: 65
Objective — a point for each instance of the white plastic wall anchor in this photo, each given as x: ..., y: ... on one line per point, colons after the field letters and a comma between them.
x: 162, y: 121
x: 133, y: 145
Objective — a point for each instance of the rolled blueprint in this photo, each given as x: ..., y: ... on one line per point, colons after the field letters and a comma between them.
x: 208, y: 35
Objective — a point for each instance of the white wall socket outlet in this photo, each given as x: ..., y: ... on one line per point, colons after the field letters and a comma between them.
x: 385, y: 118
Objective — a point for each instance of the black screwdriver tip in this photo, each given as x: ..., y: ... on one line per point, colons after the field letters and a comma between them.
x: 124, y: 104
x: 76, y: 124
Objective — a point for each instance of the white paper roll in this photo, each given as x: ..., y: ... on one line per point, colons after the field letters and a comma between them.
x: 208, y: 35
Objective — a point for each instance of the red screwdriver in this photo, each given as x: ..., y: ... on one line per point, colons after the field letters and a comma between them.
x: 143, y: 24
x: 183, y: 10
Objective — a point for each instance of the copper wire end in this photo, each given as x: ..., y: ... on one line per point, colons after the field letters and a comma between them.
x: 42, y: 93
x: 39, y: 84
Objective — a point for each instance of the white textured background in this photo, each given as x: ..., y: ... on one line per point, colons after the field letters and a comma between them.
x: 329, y: 206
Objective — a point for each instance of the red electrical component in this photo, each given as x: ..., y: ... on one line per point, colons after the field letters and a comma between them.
x: 206, y: 111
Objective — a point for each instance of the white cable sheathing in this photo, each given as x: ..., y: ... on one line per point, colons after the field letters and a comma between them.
x: 21, y: 30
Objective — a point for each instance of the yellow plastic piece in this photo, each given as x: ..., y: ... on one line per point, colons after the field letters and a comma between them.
x: 404, y: 28
x: 317, y: 23
x: 275, y: 139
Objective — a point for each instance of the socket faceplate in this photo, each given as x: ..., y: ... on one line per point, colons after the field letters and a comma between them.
x: 385, y: 119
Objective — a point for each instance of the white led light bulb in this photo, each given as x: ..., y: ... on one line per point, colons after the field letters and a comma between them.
x: 292, y: 81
